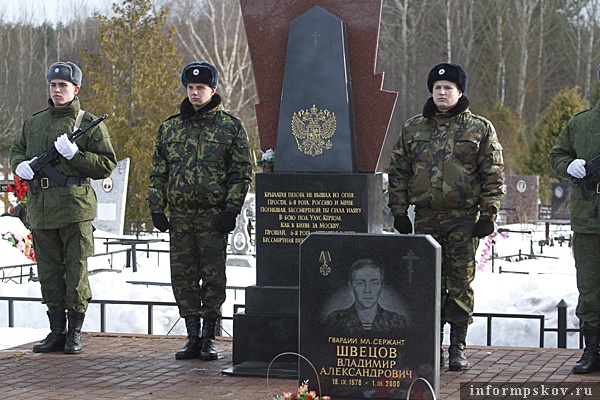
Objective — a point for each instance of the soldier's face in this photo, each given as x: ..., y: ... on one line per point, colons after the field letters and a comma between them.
x: 62, y: 92
x: 199, y: 94
x: 366, y: 285
x: 445, y: 95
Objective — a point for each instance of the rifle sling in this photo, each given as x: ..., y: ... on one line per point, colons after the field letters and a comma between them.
x: 78, y: 120
x: 55, y: 178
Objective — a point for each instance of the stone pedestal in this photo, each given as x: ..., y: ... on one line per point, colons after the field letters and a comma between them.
x: 290, y: 206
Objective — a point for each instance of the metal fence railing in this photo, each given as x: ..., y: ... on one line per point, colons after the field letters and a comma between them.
x: 151, y: 305
x: 561, y: 329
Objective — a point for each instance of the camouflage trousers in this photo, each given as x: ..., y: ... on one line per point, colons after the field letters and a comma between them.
x: 586, y: 250
x: 198, y: 256
x: 454, y: 234
x: 61, y: 256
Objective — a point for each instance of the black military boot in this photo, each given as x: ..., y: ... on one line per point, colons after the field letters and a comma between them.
x: 55, y: 341
x: 457, y: 361
x: 590, y: 360
x: 74, y: 345
x: 192, y: 347
x: 208, y: 351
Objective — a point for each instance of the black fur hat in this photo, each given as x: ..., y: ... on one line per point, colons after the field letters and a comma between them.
x: 200, y: 72
x: 447, y: 72
x: 64, y: 70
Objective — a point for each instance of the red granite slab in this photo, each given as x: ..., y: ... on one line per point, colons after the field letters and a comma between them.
x: 267, y: 27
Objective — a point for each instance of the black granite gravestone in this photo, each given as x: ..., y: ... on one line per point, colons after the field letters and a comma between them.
x: 369, y: 313
x: 289, y: 207
x: 315, y: 131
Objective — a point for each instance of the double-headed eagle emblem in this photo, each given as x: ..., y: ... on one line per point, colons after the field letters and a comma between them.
x: 313, y: 129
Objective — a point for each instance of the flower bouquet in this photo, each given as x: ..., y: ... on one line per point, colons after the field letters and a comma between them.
x: 22, y: 242
x: 267, y: 160
x: 19, y: 189
x: 303, y: 394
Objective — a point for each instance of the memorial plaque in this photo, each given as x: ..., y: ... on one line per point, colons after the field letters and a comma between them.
x: 112, y: 193
x: 316, y: 127
x: 291, y: 206
x: 369, y: 313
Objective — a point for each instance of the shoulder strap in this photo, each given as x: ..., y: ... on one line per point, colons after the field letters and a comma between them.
x: 78, y: 120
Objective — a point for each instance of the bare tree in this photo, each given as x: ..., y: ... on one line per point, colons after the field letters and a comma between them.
x: 213, y: 30
x: 524, y: 10
x: 592, y: 15
x: 33, y: 44
x: 399, y: 37
x: 501, y: 72
x: 464, y: 29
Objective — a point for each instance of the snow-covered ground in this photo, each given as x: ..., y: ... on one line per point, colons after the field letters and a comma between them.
x: 533, y: 286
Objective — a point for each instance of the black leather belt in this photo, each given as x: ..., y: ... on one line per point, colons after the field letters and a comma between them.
x: 593, y: 187
x: 45, y: 183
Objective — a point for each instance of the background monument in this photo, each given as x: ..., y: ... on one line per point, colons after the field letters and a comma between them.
x: 322, y: 107
x: 111, y: 193
x: 520, y: 205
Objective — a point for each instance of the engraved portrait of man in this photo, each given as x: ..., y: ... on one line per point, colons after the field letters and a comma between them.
x: 366, y: 279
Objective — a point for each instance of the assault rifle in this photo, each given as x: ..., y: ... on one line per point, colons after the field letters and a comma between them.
x: 592, y: 169
x: 50, y: 157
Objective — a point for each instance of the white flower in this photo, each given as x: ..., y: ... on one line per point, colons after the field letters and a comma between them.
x: 267, y: 158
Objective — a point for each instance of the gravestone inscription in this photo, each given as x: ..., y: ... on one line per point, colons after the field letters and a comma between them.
x: 369, y: 313
x: 292, y: 206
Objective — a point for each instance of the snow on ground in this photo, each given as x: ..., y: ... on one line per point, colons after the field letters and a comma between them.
x: 533, y: 286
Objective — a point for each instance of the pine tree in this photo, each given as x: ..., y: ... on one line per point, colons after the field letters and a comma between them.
x: 562, y: 107
x: 509, y: 127
x: 134, y: 78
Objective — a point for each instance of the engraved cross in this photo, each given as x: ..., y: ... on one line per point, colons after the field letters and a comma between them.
x: 410, y: 257
x: 315, y: 35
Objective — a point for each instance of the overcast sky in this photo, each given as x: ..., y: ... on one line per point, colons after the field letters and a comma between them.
x: 52, y: 11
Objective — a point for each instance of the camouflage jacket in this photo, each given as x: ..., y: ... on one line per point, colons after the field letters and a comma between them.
x: 580, y: 139
x: 201, y: 160
x: 347, y: 320
x: 60, y: 206
x: 449, y: 163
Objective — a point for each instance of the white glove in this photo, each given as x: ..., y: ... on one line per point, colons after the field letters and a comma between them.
x: 24, y: 170
x: 577, y: 168
x: 65, y: 147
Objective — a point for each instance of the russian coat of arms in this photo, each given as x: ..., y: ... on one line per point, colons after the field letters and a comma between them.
x: 313, y: 130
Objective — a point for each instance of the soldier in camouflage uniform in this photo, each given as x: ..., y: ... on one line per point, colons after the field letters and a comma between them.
x: 580, y: 141
x: 60, y: 213
x: 448, y: 164
x: 201, y: 172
